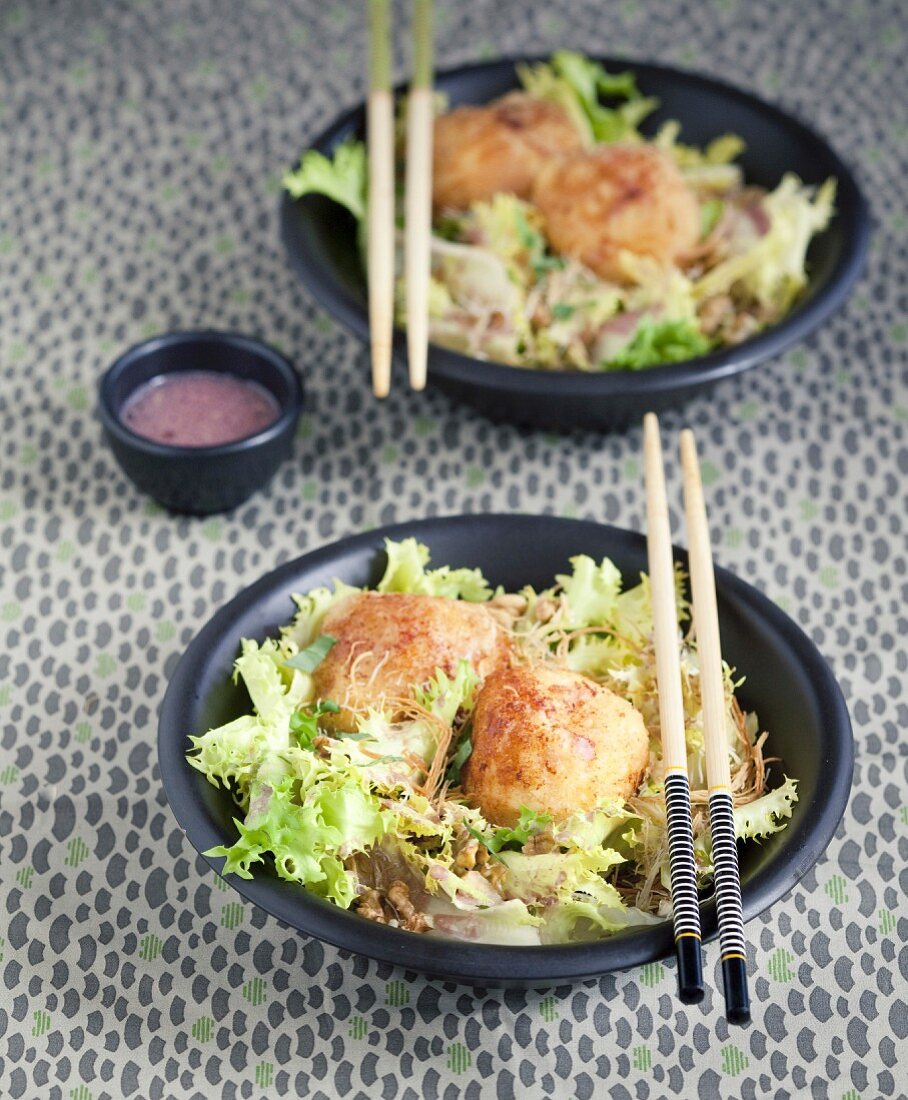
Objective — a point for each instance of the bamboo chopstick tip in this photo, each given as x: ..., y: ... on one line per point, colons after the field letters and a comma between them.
x: 687, y: 445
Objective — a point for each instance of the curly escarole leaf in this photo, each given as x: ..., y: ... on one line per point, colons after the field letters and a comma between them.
x: 444, y: 697
x: 304, y: 723
x: 755, y: 821
x: 766, y: 814
x: 658, y: 342
x: 343, y: 178
x: 576, y: 83
x: 310, y: 840
x: 310, y: 611
x: 528, y: 824
x: 569, y: 888
x: 406, y: 572
x: 230, y: 753
x: 592, y: 590
x: 774, y: 270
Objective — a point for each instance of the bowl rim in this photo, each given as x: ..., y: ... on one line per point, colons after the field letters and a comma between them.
x: 109, y: 409
x: 483, y: 963
x: 702, y: 370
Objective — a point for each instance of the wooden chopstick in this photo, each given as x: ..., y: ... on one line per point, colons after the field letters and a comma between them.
x: 380, y: 239
x: 718, y: 774
x: 418, y: 197
x: 685, y: 903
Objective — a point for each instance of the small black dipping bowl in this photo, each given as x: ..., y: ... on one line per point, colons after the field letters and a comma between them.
x: 201, y: 480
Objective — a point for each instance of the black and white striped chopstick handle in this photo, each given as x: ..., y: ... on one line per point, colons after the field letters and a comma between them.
x: 685, y: 903
x: 728, y: 906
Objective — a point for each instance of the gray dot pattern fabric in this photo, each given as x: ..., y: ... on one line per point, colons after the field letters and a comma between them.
x: 142, y: 147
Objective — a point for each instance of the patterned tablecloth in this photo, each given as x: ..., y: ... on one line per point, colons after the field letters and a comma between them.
x: 141, y: 151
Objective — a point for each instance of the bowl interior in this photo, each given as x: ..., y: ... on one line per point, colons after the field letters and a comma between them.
x: 787, y: 683
x: 776, y: 143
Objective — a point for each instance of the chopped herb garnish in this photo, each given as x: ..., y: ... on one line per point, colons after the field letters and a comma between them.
x: 543, y: 264
x: 528, y: 237
x: 528, y: 824
x: 484, y: 841
x: 460, y: 757
x: 304, y: 723
x: 384, y: 760
x: 710, y: 213
x: 308, y: 659
x: 563, y: 311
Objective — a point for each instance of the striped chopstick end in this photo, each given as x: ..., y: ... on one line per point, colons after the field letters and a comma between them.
x: 683, y: 872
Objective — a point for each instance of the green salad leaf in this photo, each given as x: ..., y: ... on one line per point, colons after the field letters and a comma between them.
x: 311, y: 610
x: 307, y: 840
x: 343, y: 178
x: 406, y: 572
x: 304, y: 723
x: 774, y: 270
x: 592, y: 590
x: 444, y: 697
x: 308, y: 659
x: 766, y: 814
x: 710, y: 214
x: 576, y: 83
x: 529, y: 823
x: 462, y: 754
x: 656, y: 342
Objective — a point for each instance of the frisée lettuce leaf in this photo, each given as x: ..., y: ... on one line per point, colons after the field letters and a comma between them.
x: 342, y: 178
x: 655, y: 342
x: 576, y: 83
x: 774, y: 271
x: 406, y: 572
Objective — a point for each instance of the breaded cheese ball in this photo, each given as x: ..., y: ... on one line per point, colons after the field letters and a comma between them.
x: 554, y: 741
x: 480, y: 151
x: 389, y: 643
x: 616, y: 197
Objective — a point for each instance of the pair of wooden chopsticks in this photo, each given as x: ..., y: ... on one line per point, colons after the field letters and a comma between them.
x: 417, y: 201
x: 685, y: 905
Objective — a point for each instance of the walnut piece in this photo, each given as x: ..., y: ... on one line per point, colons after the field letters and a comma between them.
x: 409, y: 916
x: 511, y: 602
x: 540, y: 844
x: 715, y: 312
x: 371, y: 908
x: 465, y: 859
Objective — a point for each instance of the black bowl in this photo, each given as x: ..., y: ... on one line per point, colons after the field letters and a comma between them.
x: 788, y: 684
x: 320, y: 238
x: 201, y: 480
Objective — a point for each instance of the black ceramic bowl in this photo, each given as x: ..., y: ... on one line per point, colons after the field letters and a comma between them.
x: 788, y: 684
x: 201, y: 480
x: 320, y: 238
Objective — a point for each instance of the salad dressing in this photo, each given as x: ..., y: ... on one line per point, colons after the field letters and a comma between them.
x: 199, y: 408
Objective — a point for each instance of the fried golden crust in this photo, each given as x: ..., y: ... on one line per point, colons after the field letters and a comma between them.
x: 480, y: 151
x: 554, y: 741
x: 614, y: 198
x: 388, y: 644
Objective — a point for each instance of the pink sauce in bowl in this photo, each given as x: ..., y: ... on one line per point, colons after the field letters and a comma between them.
x: 199, y: 408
